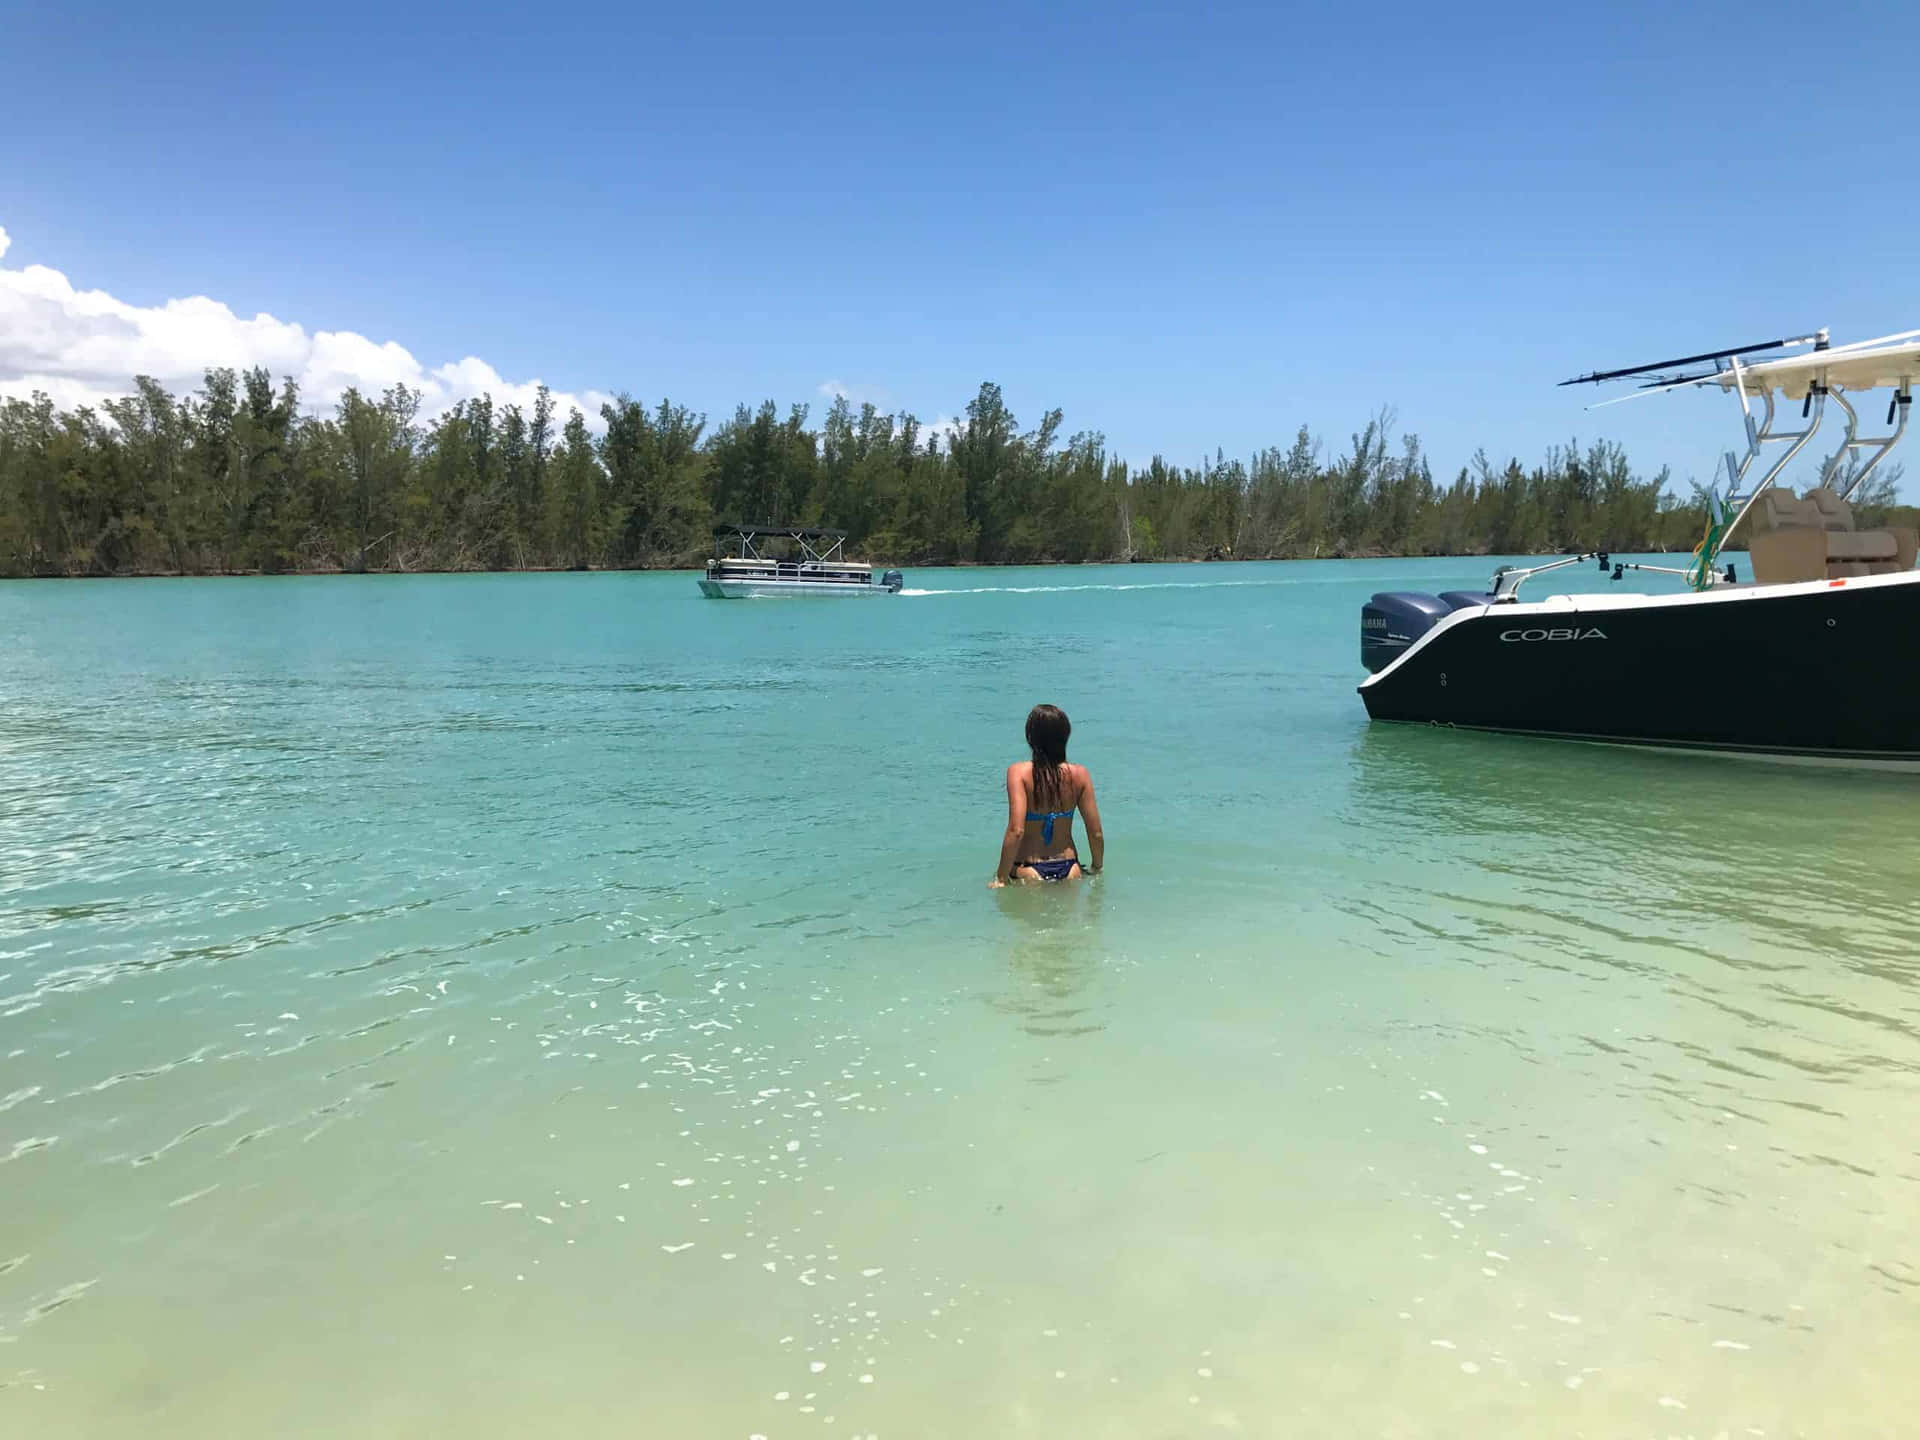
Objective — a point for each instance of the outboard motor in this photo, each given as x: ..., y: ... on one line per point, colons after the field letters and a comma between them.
x: 1394, y: 619
x: 892, y: 581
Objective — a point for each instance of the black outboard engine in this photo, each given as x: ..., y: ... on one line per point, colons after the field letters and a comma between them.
x: 892, y: 580
x: 1394, y: 619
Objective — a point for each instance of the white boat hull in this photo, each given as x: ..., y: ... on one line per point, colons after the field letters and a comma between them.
x: 773, y: 589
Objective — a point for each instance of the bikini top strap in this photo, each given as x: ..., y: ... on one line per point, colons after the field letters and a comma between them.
x: 1047, y: 817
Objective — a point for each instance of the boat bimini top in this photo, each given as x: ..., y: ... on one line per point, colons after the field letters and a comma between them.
x: 817, y: 547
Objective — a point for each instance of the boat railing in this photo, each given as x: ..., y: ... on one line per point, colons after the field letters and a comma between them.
x: 1507, y: 580
x: 1761, y: 435
x: 758, y: 565
x: 1880, y: 445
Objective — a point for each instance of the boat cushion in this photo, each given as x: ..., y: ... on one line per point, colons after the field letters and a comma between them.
x: 1789, y: 553
x: 1781, y: 509
x: 1814, y: 539
x: 1828, y: 510
x: 1862, y: 545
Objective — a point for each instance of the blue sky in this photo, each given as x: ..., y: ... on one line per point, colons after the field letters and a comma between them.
x: 1186, y: 228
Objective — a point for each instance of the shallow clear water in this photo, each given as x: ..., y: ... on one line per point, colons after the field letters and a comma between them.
x: 559, y: 1004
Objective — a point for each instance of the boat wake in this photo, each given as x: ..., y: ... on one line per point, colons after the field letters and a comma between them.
x: 1147, y: 585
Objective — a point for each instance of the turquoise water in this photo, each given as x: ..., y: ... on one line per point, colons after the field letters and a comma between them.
x: 500, y: 1005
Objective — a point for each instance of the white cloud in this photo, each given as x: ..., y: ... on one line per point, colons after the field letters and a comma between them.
x: 945, y: 426
x: 859, y: 394
x: 85, y: 346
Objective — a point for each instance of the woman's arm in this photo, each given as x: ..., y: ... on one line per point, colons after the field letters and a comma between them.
x: 1016, y: 828
x: 1090, y: 817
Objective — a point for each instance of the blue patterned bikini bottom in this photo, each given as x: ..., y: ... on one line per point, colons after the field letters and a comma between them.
x: 1060, y: 869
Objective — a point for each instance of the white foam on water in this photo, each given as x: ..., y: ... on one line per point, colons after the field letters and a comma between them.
x: 1142, y: 585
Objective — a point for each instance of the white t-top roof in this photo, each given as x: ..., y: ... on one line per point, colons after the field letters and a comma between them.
x: 1869, y: 365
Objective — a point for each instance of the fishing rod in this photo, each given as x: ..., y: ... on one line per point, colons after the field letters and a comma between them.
x: 1715, y: 355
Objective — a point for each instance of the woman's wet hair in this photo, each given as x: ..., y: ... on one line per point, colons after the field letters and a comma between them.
x: 1047, y: 732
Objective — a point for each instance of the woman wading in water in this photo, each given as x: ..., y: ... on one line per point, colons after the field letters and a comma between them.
x: 1042, y: 794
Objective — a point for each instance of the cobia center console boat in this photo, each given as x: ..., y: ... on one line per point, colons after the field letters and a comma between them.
x: 1816, y: 653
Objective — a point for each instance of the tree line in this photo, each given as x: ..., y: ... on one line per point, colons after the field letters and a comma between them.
x: 238, y: 478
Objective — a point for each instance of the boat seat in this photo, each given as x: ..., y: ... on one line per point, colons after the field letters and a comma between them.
x: 1814, y: 539
x: 1827, y: 510
x: 1781, y: 509
x: 1868, y: 545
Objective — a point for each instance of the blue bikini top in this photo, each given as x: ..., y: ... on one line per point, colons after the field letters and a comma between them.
x: 1049, y: 816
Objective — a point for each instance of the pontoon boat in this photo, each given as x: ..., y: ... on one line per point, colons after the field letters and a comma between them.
x: 813, y: 567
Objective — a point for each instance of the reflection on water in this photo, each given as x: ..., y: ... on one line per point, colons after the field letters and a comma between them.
x: 1055, y: 956
x: 1797, y: 870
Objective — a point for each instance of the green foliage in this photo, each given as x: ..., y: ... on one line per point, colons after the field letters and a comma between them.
x: 235, y: 478
x: 579, y: 492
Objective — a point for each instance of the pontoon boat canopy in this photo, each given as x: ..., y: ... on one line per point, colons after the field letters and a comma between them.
x: 787, y: 532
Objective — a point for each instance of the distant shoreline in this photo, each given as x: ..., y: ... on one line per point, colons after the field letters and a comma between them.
x: 241, y: 477
x: 312, y: 573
